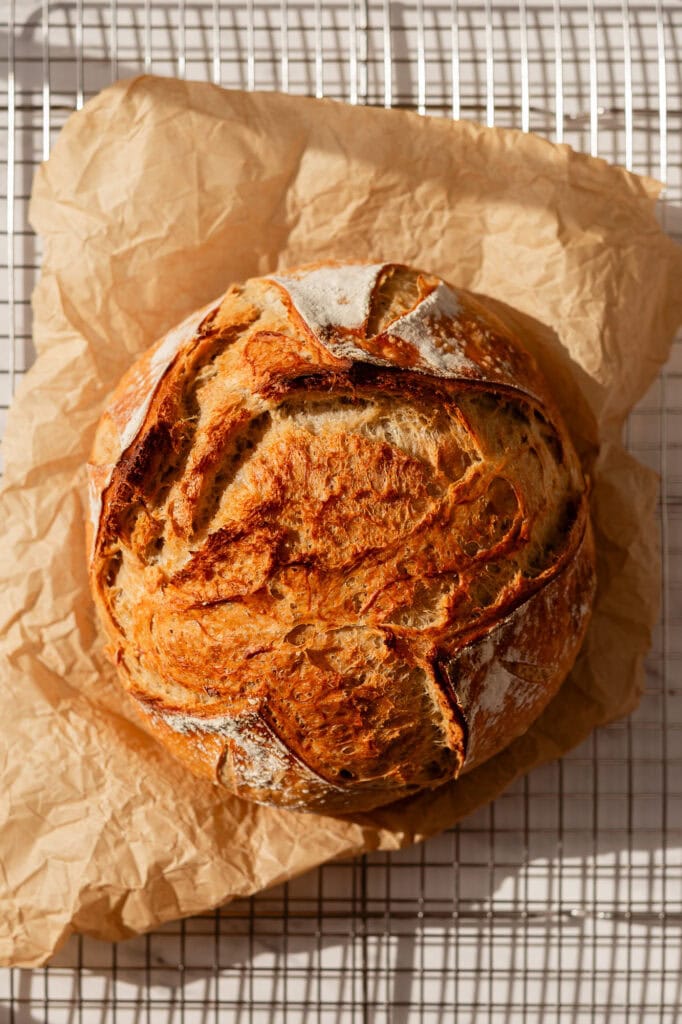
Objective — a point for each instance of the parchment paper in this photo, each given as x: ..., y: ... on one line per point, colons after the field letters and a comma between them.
x: 158, y: 194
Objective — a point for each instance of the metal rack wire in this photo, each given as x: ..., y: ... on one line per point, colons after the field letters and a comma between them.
x: 562, y: 901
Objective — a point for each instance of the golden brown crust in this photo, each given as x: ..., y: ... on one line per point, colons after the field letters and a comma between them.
x: 340, y: 538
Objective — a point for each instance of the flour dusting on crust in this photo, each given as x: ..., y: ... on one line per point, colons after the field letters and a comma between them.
x: 420, y: 327
x: 264, y: 762
x: 333, y: 297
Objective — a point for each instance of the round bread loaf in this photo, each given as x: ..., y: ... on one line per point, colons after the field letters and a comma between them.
x: 339, y: 537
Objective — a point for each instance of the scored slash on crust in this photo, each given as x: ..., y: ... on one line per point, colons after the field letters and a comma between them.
x: 334, y: 303
x: 134, y: 398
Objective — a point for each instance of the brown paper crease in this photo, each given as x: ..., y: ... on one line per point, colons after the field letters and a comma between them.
x: 158, y: 194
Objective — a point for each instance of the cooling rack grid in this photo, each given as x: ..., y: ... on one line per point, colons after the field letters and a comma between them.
x: 562, y: 901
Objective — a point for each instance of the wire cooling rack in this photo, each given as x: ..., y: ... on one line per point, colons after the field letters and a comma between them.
x: 562, y: 901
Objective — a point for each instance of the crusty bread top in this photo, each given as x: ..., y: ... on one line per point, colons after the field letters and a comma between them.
x: 314, y: 500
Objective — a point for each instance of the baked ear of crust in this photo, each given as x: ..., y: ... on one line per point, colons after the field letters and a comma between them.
x: 339, y: 537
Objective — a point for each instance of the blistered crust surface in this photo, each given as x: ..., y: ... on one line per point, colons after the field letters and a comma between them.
x: 340, y: 539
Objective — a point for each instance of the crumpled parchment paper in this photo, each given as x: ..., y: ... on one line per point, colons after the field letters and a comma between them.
x: 158, y: 194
